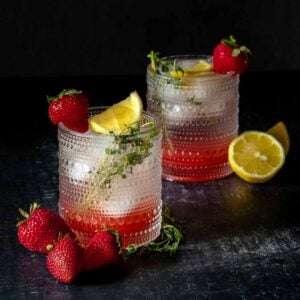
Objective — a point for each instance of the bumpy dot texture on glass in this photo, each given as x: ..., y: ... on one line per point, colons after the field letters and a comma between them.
x: 199, y: 119
x: 131, y: 205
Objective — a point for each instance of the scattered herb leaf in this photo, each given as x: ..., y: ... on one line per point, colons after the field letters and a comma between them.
x: 129, y: 148
x: 192, y: 100
x: 168, y: 240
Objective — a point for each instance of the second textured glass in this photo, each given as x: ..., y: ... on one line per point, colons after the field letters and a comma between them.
x: 199, y: 117
x: 112, y: 181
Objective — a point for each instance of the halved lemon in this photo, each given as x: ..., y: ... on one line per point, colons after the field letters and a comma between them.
x: 279, y: 131
x: 119, y: 116
x: 256, y: 156
x: 202, y: 68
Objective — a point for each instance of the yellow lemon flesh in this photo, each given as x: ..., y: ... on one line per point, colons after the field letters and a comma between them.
x: 119, y: 116
x: 256, y: 156
x: 201, y: 69
x: 279, y: 131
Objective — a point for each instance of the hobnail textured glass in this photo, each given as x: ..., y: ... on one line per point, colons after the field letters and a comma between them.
x: 199, y: 120
x: 131, y: 205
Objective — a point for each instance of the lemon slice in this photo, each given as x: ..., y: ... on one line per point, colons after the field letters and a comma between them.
x: 118, y: 116
x: 279, y: 131
x: 256, y: 156
x: 202, y: 68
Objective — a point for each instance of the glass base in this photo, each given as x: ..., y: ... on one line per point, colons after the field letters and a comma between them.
x: 137, y: 238
x: 196, y: 174
x: 139, y: 227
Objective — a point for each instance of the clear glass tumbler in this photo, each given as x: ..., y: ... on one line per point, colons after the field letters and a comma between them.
x: 199, y: 117
x: 112, y: 181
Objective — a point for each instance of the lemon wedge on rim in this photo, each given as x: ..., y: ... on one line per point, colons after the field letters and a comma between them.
x: 256, y: 156
x: 119, y: 116
x: 202, y: 68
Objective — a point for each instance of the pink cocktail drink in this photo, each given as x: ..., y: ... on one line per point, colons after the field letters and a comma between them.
x: 112, y: 181
x: 199, y: 114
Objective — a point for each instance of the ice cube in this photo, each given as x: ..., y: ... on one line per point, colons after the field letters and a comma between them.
x: 79, y: 170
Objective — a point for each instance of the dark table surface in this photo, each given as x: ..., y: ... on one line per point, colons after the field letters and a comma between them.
x: 242, y: 241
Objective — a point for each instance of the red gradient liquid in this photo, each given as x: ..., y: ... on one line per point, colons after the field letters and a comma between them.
x: 196, y: 161
x: 134, y: 228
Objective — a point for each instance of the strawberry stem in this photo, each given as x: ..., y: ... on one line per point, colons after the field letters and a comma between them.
x: 231, y: 42
x: 49, y: 247
x: 25, y: 214
x: 60, y: 236
x: 237, y: 48
x: 236, y: 52
x: 117, y: 235
x: 51, y: 99
x: 65, y: 92
x: 33, y: 207
x: 69, y: 92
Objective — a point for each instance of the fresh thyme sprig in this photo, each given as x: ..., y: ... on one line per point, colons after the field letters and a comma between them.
x: 154, y: 59
x: 130, y: 148
x: 160, y: 110
x: 168, y: 240
x: 163, y: 65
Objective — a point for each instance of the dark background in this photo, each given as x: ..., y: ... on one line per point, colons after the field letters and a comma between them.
x: 109, y: 37
x: 242, y: 240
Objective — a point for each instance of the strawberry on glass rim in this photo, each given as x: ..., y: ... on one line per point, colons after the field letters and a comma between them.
x: 230, y: 57
x: 71, y: 108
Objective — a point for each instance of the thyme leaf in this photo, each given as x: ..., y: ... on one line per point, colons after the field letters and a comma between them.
x: 168, y: 240
x: 154, y: 59
x: 163, y: 65
x: 129, y: 148
x: 192, y: 100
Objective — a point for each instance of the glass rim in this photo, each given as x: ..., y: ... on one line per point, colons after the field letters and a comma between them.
x: 188, y: 56
x: 218, y: 76
x: 92, y: 134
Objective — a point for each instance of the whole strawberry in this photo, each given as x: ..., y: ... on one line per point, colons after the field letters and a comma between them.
x: 229, y: 56
x: 103, y: 250
x: 39, y: 228
x: 64, y: 259
x: 71, y: 108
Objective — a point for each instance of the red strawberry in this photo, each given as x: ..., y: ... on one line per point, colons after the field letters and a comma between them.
x: 102, y: 251
x: 64, y: 259
x: 71, y: 108
x: 40, y: 228
x: 229, y: 56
